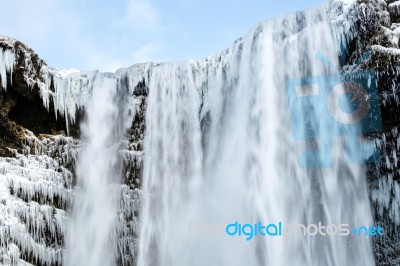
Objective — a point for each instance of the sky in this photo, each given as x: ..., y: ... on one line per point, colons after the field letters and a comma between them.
x: 106, y: 35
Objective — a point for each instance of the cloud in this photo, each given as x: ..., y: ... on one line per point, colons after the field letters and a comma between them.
x: 148, y: 52
x: 141, y: 15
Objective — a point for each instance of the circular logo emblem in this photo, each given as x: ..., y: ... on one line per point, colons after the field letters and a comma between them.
x: 348, y: 103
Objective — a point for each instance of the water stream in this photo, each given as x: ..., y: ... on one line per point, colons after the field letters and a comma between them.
x: 89, y: 239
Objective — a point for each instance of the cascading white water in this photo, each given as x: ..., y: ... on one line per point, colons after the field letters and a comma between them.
x: 219, y: 149
x: 92, y: 226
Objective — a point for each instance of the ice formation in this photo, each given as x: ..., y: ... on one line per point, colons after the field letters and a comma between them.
x: 7, y: 59
x: 35, y: 191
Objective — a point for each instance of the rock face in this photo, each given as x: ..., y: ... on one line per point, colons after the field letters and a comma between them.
x: 40, y: 111
x: 21, y: 104
x: 376, y: 31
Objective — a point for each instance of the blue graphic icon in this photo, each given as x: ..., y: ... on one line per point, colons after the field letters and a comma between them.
x: 332, y: 107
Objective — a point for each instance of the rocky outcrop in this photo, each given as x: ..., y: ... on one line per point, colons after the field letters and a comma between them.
x: 21, y: 103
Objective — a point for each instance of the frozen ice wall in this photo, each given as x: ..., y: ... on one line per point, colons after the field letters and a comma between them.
x: 35, y: 191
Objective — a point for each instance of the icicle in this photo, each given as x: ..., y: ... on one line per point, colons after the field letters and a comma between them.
x: 7, y: 62
x: 32, y: 188
x: 387, y: 196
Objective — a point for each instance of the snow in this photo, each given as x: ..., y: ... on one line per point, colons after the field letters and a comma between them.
x: 394, y: 7
x: 396, y: 28
x: 390, y: 51
x: 392, y: 36
x: 66, y: 72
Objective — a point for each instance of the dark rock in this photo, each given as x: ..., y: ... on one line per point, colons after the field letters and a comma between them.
x: 21, y: 106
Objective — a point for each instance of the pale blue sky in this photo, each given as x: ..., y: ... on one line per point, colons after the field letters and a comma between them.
x: 105, y: 35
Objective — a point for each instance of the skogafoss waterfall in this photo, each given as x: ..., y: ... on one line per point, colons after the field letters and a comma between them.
x: 220, y: 149
x: 280, y: 150
x: 91, y: 234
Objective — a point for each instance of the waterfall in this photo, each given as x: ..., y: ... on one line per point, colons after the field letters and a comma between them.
x: 90, y: 236
x: 171, y: 155
x: 220, y: 147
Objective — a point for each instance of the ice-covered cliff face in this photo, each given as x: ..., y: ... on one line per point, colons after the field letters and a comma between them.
x: 207, y: 122
x: 40, y: 171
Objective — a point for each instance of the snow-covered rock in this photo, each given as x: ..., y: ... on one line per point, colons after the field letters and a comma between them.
x: 394, y: 10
